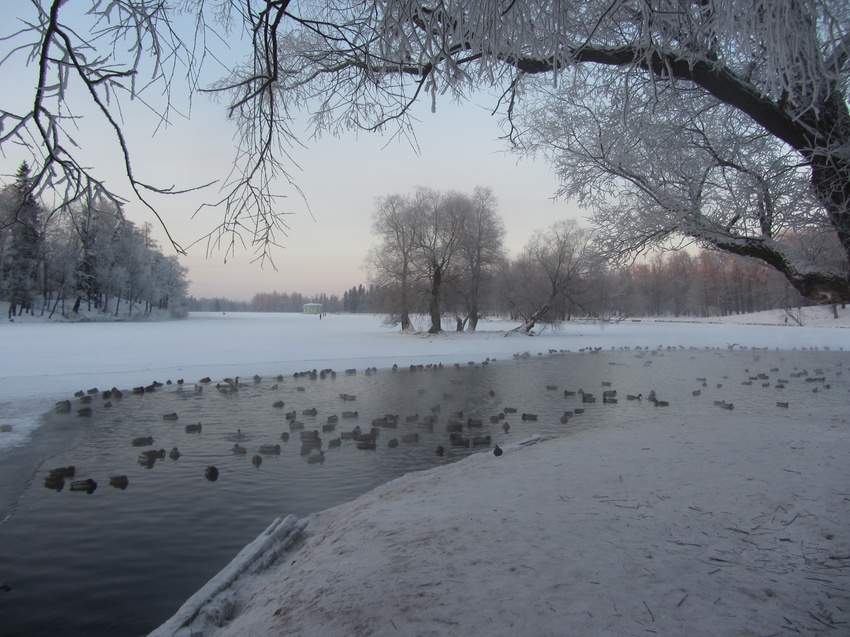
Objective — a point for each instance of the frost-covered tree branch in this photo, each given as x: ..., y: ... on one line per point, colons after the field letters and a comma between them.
x: 97, y: 56
x: 92, y: 59
x: 780, y: 67
x: 679, y: 164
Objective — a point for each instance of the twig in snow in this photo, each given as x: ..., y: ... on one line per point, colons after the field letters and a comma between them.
x: 791, y: 520
x: 651, y: 616
x: 682, y: 601
x: 818, y: 619
x: 698, y: 510
x: 686, y: 544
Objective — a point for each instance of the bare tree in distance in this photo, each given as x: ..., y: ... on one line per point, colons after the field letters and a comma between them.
x: 782, y: 66
x: 434, y: 248
x: 554, y: 264
x: 391, y: 260
x: 481, y: 250
x: 439, y: 233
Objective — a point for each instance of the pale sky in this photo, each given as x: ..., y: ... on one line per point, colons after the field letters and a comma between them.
x: 340, y: 178
x: 459, y: 149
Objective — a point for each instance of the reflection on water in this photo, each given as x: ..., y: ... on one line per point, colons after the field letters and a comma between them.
x: 121, y: 561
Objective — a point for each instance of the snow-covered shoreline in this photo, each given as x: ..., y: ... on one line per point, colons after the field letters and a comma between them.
x: 715, y: 525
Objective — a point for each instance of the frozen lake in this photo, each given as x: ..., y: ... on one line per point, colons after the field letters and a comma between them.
x: 70, y: 555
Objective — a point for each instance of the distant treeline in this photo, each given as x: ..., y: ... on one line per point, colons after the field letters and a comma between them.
x: 674, y: 284
x: 355, y: 300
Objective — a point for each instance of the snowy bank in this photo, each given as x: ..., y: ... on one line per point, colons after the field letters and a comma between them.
x: 811, y: 316
x: 703, y: 526
x: 208, y: 603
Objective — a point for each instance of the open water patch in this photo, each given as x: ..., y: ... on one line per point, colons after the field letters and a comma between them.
x: 120, y: 561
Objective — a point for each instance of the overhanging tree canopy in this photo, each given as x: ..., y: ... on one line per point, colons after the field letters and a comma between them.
x: 783, y: 66
x: 673, y: 163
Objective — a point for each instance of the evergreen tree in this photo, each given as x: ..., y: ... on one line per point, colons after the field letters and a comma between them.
x: 20, y: 267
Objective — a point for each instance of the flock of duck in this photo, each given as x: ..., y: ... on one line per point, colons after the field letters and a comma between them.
x: 463, y: 429
x: 460, y: 427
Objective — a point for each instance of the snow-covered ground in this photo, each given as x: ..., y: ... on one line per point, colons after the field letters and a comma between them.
x: 722, y: 525
x: 700, y: 527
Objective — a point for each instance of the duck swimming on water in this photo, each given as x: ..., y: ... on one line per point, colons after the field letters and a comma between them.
x: 88, y: 485
x: 55, y: 482
x: 119, y: 482
x: 148, y: 458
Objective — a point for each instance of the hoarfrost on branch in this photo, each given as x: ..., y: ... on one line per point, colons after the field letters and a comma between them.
x: 780, y: 67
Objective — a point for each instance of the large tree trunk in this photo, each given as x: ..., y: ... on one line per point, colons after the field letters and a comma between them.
x: 404, y: 318
x: 831, y: 182
x: 821, y: 136
x: 434, y: 297
x: 472, y: 324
